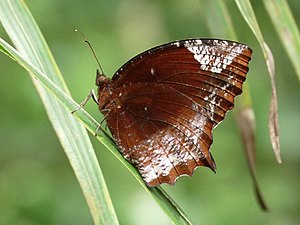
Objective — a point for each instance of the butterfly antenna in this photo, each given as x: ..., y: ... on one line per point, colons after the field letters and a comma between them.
x: 90, y: 46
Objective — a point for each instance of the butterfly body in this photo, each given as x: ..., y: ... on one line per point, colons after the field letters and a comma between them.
x: 162, y: 105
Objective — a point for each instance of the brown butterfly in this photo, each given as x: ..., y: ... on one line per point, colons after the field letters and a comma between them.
x: 162, y: 105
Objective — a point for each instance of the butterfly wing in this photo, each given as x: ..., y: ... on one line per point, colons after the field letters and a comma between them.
x: 166, y: 101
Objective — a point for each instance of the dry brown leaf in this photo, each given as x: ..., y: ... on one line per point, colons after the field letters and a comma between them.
x: 273, y: 113
x: 246, y: 124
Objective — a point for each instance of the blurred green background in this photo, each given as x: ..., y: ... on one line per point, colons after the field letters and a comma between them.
x: 37, y: 184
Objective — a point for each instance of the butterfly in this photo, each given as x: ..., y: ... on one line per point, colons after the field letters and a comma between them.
x: 162, y: 105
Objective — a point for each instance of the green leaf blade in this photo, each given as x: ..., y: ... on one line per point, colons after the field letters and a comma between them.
x: 286, y: 29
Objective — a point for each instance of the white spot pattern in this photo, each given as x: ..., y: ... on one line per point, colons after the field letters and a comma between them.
x: 216, y: 56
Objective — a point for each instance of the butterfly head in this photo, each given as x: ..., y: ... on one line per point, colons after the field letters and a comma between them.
x: 101, y: 79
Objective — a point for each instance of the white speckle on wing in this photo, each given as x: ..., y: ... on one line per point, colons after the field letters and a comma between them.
x: 152, y: 71
x: 177, y: 44
x: 215, y: 56
x: 168, y: 148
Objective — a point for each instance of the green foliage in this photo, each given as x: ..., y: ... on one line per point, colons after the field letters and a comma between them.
x: 37, y: 184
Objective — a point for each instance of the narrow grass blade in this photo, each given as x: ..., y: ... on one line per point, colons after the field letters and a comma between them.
x: 26, y: 36
x: 246, y: 125
x: 248, y: 14
x: 286, y: 28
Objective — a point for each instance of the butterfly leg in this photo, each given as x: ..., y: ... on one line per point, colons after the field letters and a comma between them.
x: 90, y: 95
x: 101, y: 122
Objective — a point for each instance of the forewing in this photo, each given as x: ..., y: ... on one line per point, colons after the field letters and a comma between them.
x: 209, y: 71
